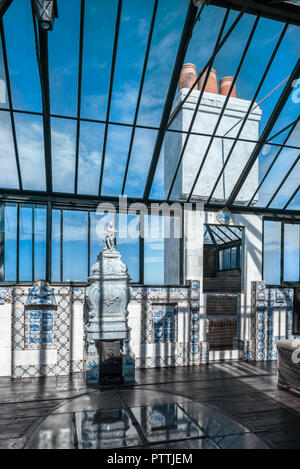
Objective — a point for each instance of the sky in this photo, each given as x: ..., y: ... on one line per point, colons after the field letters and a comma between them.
x: 99, y: 26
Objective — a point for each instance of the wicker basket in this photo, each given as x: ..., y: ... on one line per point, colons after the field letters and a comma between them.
x: 288, y: 370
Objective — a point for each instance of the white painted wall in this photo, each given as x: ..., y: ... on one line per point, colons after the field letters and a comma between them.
x: 77, y: 333
x: 5, y: 340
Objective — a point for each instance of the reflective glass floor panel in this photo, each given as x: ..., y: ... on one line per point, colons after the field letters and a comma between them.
x: 139, y: 418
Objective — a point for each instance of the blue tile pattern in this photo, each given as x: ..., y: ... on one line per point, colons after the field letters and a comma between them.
x: 272, y: 319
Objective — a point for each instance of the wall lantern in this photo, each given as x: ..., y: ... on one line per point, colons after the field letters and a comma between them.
x: 46, y: 11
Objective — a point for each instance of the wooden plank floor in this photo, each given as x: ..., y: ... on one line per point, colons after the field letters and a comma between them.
x: 247, y: 392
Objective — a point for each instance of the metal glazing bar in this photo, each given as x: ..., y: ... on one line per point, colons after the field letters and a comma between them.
x: 197, y: 107
x: 140, y: 94
x: 244, y: 120
x: 292, y: 197
x: 283, y: 181
x: 210, y: 61
x: 273, y: 162
x: 12, y: 120
x: 282, y: 130
x: 182, y: 48
x: 79, y: 93
x: 212, y: 237
x: 265, y: 133
x: 111, y: 83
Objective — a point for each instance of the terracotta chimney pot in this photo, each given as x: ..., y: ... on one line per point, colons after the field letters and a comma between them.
x: 225, y: 84
x: 212, y: 84
x: 188, y: 76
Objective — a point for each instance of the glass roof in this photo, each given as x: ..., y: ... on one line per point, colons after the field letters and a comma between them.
x: 219, y: 235
x: 87, y: 109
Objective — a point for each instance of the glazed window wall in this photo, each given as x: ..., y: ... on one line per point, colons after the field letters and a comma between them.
x: 229, y: 258
x: 75, y: 240
x: 281, y: 259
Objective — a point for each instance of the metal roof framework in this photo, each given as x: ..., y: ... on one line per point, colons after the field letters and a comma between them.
x: 283, y: 11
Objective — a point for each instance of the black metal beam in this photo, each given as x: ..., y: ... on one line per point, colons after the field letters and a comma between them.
x: 219, y: 37
x: 212, y: 237
x: 234, y: 234
x: 183, y: 45
x: 43, y: 42
x: 48, y: 242
x: 223, y: 232
x: 82, y: 201
x: 224, y: 106
x: 41, y: 45
x: 4, y: 4
x: 281, y: 12
x: 218, y: 236
x: 145, y: 127
x: 111, y: 83
x: 283, y: 181
x: 273, y: 162
x: 140, y: 94
x: 266, y: 132
x: 82, y: 10
x: 10, y: 104
x: 249, y: 109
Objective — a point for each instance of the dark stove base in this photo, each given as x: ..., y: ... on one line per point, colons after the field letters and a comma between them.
x: 110, y: 380
x: 106, y: 387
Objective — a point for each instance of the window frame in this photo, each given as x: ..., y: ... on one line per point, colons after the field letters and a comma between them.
x: 282, y: 221
x: 48, y: 270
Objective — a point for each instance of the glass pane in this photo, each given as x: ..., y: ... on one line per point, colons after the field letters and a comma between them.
x: 97, y: 56
x: 30, y: 138
x: 288, y: 188
x: 3, y: 90
x: 291, y: 252
x: 55, y: 247
x: 281, y: 68
x: 221, y: 260
x: 233, y: 258
x: 133, y: 38
x: 10, y: 249
x: 272, y: 252
x: 63, y: 59
x: 282, y: 163
x: 9, y: 177
x: 25, y: 244
x: 21, y: 56
x: 90, y: 157
x: 142, y: 151
x: 128, y: 243
x: 227, y: 259
x: 63, y: 135
x: 40, y: 220
x: 154, y: 250
x: 166, y: 37
x: 118, y: 139
x: 75, y: 240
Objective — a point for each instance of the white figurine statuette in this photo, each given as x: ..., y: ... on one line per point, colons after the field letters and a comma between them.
x: 109, y: 237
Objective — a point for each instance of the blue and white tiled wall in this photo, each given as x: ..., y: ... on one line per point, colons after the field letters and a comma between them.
x: 167, y: 324
x: 271, y: 320
x: 42, y: 340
